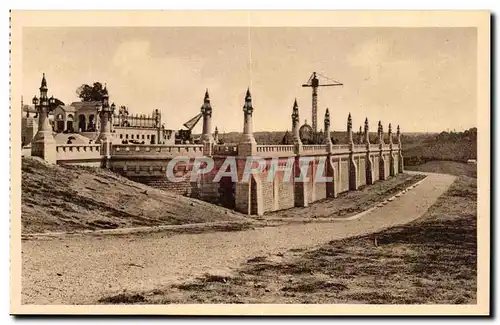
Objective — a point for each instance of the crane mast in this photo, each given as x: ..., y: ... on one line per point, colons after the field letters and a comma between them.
x: 313, y: 82
x: 314, y: 86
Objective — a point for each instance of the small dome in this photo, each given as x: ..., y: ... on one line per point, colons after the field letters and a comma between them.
x: 306, y: 133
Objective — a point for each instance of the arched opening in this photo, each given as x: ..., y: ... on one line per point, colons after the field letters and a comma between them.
x: 91, y: 126
x: 69, y: 123
x: 59, y: 123
x: 82, y: 127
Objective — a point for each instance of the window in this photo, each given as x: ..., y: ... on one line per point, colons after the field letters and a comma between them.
x: 148, y: 136
x: 137, y: 137
x: 121, y: 136
x: 126, y: 136
x: 143, y: 137
x: 132, y: 136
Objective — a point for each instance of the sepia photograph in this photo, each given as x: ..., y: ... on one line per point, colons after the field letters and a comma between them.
x: 250, y: 162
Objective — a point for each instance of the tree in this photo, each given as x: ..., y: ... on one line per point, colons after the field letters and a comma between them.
x: 58, y: 102
x: 90, y: 93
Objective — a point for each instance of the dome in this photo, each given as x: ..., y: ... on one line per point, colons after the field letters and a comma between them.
x: 306, y: 133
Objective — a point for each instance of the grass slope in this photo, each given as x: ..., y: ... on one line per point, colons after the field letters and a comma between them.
x: 460, y: 150
x: 69, y: 198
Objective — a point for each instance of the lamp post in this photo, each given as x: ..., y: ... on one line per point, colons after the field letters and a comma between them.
x: 158, y: 127
x: 105, y: 112
x: 105, y: 138
x: 44, y: 144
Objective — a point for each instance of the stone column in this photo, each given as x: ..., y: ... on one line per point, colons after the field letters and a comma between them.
x: 400, y: 153
x: 369, y: 162
x: 295, y: 129
x: 105, y: 137
x: 392, y: 163
x: 381, y: 160
x: 247, y: 145
x: 44, y: 144
x: 330, y: 169
x: 216, y: 136
x: 158, y: 139
x: 206, y: 137
x: 300, y: 189
x: 328, y: 140
x: 353, y: 168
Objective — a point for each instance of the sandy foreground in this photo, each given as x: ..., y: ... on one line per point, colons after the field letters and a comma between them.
x: 81, y: 269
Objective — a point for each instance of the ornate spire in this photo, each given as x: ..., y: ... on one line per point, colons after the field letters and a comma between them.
x: 44, y: 82
x: 390, y: 133
x: 380, y: 133
x: 367, y: 132
x: 248, y: 96
x: 206, y: 109
x: 327, y: 118
x: 349, y: 129
x: 295, y: 112
x: 105, y: 97
x: 248, y: 108
x: 43, y: 89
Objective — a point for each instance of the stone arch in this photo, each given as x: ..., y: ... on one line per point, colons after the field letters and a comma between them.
x: 69, y: 123
x: 59, y: 122
x: 82, y: 123
x: 256, y: 199
x: 227, y: 192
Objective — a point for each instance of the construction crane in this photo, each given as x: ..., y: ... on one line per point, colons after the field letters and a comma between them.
x: 185, y: 135
x: 313, y: 82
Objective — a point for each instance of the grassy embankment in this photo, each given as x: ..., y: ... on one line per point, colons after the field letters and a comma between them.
x: 66, y: 198
x: 442, y: 153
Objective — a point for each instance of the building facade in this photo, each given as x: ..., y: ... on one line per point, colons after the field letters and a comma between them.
x: 83, y: 118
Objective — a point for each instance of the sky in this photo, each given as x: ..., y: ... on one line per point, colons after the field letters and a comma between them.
x: 423, y: 79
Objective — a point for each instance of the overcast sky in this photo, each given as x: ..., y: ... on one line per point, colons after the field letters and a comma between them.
x: 421, y: 78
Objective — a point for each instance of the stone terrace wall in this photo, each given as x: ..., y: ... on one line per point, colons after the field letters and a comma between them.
x: 148, y: 164
x: 79, y: 154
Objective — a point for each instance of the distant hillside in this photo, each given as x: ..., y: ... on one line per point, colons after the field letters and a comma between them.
x: 417, y: 147
x: 453, y: 146
x: 275, y: 137
x: 65, y: 198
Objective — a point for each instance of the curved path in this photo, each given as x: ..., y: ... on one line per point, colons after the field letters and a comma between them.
x: 82, y: 269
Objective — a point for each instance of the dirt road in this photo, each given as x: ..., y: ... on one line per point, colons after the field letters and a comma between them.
x: 82, y: 269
